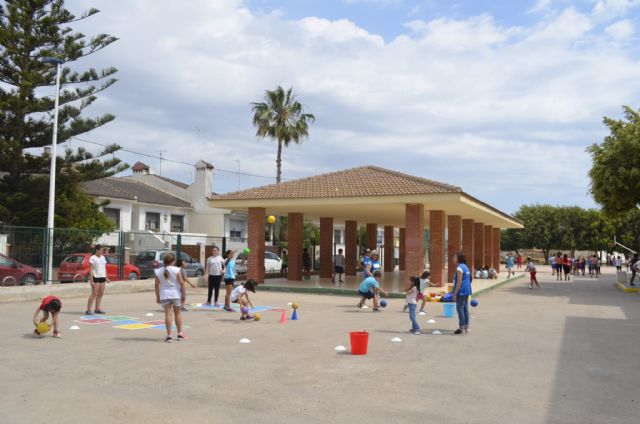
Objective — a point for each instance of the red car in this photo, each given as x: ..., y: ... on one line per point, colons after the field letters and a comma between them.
x: 75, y: 268
x: 13, y: 273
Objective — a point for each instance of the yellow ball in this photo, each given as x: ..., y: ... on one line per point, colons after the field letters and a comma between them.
x: 256, y: 317
x: 271, y: 219
x: 43, y: 327
x: 294, y: 305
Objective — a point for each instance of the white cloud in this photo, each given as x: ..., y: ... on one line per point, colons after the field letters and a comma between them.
x: 609, y: 9
x: 486, y: 106
x: 540, y: 6
x: 621, y: 30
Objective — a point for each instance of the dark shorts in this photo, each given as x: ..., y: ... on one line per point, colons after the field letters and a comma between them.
x: 339, y: 270
x: 229, y: 281
x: 366, y: 295
x: 567, y: 268
x: 99, y: 280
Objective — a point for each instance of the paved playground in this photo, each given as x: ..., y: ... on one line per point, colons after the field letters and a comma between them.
x: 566, y: 353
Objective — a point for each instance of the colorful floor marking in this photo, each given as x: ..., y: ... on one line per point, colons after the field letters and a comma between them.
x: 124, y: 322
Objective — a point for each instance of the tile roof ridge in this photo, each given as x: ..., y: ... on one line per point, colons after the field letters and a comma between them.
x: 161, y: 191
x: 414, y: 177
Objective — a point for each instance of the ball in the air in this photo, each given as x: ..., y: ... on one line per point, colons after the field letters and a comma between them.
x: 294, y: 305
x: 244, y: 310
x: 383, y: 303
x: 271, y: 219
x: 256, y: 317
x: 43, y: 328
x: 246, y: 251
x: 474, y: 302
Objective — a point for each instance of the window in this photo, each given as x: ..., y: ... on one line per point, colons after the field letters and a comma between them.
x: 5, y: 261
x: 77, y: 259
x: 152, y: 221
x: 380, y: 236
x: 337, y: 236
x: 177, y: 223
x: 113, y: 215
x: 235, y: 234
x: 111, y: 259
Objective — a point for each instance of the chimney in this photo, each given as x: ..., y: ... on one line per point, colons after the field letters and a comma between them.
x: 47, y: 151
x: 141, y: 168
x: 204, y: 177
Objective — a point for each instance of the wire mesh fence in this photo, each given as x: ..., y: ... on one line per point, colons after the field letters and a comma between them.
x: 25, y: 253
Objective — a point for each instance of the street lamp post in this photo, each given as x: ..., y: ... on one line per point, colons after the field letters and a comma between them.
x: 52, y: 174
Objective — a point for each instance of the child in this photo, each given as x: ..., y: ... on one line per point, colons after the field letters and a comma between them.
x: 183, y: 270
x: 306, y: 264
x: 240, y: 295
x: 532, y: 273
x: 338, y: 267
x: 48, y: 305
x: 169, y: 289
x: 229, y: 277
x: 509, y: 265
x: 424, y: 283
x: 412, y: 290
x: 214, y: 270
x: 370, y: 289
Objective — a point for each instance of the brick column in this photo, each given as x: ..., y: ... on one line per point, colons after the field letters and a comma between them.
x: 414, y: 238
x: 496, y: 249
x: 388, y: 249
x: 402, y: 249
x: 436, y: 247
x: 467, y: 243
x: 454, y: 242
x: 350, y: 247
x: 295, y: 238
x: 488, y: 246
x: 372, y: 236
x: 255, y: 262
x: 478, y: 248
x: 326, y: 247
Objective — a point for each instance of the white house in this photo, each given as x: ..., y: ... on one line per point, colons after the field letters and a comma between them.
x: 153, y: 208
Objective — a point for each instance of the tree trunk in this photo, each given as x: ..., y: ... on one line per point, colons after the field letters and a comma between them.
x: 279, y: 162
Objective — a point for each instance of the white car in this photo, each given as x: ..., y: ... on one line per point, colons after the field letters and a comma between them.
x: 272, y: 263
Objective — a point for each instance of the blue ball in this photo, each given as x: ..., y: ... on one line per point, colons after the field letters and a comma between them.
x: 383, y: 303
x: 474, y: 302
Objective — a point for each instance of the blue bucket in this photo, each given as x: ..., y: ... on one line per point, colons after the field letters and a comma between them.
x: 449, y: 309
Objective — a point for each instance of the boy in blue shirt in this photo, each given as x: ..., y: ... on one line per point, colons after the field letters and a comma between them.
x: 370, y: 289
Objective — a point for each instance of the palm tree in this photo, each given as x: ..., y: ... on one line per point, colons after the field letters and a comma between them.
x: 281, y: 117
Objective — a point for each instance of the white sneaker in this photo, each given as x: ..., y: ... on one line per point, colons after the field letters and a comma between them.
x: 422, y: 313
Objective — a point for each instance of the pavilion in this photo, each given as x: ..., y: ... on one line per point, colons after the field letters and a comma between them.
x: 376, y: 197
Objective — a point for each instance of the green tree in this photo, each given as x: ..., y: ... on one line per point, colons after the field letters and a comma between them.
x: 281, y: 117
x: 615, y: 172
x: 29, y: 31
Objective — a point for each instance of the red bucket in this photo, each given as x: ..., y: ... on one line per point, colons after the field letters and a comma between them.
x: 359, y: 342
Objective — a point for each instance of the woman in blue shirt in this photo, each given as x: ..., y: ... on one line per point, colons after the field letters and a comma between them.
x: 462, y: 291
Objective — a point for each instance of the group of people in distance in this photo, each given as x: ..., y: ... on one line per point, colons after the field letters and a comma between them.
x: 563, y: 264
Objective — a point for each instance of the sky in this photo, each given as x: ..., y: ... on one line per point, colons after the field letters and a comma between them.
x: 499, y: 98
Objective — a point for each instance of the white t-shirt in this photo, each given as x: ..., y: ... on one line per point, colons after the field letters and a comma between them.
x: 98, y: 266
x: 215, y: 264
x: 411, y: 296
x: 338, y: 260
x: 237, y: 292
x: 169, y: 288
x: 424, y: 282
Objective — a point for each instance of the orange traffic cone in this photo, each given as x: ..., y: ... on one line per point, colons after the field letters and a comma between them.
x: 283, y: 318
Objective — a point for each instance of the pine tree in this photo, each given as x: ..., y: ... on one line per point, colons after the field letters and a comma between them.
x: 29, y: 31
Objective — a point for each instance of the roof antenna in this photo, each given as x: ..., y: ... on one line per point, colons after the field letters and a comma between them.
x: 161, y: 152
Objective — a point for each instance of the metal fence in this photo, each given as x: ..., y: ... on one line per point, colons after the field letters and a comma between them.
x: 27, y: 250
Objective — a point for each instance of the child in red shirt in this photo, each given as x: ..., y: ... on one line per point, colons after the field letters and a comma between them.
x: 49, y: 305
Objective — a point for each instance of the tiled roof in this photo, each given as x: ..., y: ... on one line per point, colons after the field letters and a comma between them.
x: 365, y: 181
x: 121, y: 188
x: 139, y: 166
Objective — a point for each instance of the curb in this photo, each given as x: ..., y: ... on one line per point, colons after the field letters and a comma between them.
x: 625, y: 289
x: 349, y: 292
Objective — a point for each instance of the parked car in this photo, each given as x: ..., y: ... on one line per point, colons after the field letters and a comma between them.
x: 272, y: 263
x: 75, y: 268
x: 149, y: 260
x: 14, y: 273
